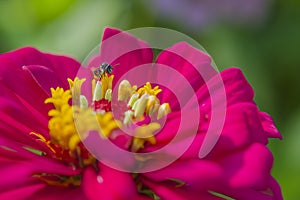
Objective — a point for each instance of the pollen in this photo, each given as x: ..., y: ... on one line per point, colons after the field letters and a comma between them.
x: 106, y: 82
x: 61, y: 125
x: 59, y: 97
x: 142, y: 102
x: 125, y: 90
x: 147, y: 89
x: 163, y: 110
x: 144, y: 134
x: 75, y: 89
x: 107, y: 124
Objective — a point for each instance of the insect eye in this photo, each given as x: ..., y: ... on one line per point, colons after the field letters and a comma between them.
x: 109, y: 69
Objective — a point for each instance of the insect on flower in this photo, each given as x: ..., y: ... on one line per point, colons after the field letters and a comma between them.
x: 103, y: 69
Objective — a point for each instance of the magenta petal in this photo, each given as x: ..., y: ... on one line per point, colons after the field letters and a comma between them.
x: 59, y: 193
x: 249, y: 168
x: 39, y: 111
x: 189, y: 62
x: 145, y: 53
x: 109, y: 184
x: 236, y: 86
x: 269, y: 126
x: 275, y: 187
x: 44, y: 77
x: 237, y: 90
x: 17, y: 122
x: 18, y: 168
x: 225, y: 89
x: 131, y: 53
x: 246, y: 194
x: 190, y: 172
x: 18, y: 182
x: 23, y: 192
x: 242, y: 127
x: 170, y: 191
x: 21, y: 83
x: 15, y: 173
x: 63, y: 66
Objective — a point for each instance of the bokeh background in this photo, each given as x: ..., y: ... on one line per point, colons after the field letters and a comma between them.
x: 260, y: 36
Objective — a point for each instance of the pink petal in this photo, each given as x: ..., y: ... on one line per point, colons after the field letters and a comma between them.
x: 167, y: 191
x: 44, y: 77
x: 188, y: 62
x: 197, y: 174
x: 18, y: 168
x: 269, y: 126
x: 242, y: 127
x: 21, y: 82
x: 23, y: 192
x: 245, y: 193
x: 109, y: 184
x: 63, y: 66
x: 59, y: 193
x: 249, y: 168
x: 17, y: 181
x: 237, y: 90
x: 236, y: 86
x: 16, y: 123
x: 131, y: 53
x: 275, y: 187
x: 39, y: 111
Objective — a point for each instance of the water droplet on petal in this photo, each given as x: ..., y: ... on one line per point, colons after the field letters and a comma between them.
x: 100, y: 179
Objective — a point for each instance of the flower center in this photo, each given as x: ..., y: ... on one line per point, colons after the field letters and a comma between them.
x: 68, y: 120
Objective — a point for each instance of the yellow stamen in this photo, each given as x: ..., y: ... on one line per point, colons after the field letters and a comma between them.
x: 75, y: 88
x: 107, y: 124
x: 163, y: 110
x: 108, y: 94
x: 144, y: 134
x: 133, y: 99
x: 147, y: 89
x: 83, y: 102
x: 125, y: 90
x: 61, y: 126
x: 59, y: 97
x: 93, y: 86
x: 63, y: 117
x: 152, y: 105
x: 106, y: 82
x: 43, y: 140
x: 140, y: 106
x: 98, y: 95
x: 128, y: 115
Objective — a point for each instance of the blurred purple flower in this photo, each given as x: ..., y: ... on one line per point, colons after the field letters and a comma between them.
x: 197, y: 14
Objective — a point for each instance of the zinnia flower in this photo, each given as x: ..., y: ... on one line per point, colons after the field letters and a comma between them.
x: 44, y: 158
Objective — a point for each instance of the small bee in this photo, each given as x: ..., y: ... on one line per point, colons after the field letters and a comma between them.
x: 104, y: 68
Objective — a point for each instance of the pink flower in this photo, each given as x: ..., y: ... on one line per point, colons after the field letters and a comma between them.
x: 39, y: 161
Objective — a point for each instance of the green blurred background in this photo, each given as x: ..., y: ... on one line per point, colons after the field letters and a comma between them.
x: 264, y: 44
